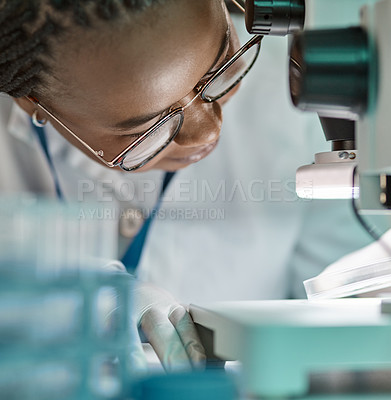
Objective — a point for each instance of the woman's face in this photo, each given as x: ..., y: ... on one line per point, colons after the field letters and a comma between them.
x: 119, y: 87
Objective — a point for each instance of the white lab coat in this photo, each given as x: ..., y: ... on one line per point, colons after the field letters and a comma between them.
x: 24, y: 169
x: 231, y: 226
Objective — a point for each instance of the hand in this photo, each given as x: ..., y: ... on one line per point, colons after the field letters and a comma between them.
x: 166, y: 324
x: 168, y: 327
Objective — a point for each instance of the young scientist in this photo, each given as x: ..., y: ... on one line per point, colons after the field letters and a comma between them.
x: 130, y: 84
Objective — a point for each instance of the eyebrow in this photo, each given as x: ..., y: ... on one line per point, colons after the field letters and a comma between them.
x: 137, y: 121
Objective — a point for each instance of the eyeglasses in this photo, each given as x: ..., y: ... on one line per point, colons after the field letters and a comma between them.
x: 150, y: 143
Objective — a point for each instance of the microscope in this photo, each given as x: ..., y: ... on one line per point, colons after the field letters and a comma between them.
x: 339, y: 65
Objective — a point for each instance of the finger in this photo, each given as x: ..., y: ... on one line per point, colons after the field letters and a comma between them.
x: 164, y: 339
x: 186, y: 330
x: 137, y: 359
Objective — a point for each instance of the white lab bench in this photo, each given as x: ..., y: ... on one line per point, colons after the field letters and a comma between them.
x: 325, y: 349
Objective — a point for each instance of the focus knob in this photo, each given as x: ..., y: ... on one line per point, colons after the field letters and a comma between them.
x: 274, y: 17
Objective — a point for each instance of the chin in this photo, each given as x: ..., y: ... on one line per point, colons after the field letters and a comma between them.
x: 162, y: 165
x: 180, y: 161
x: 169, y: 166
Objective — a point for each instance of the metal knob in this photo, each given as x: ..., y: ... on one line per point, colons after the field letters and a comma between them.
x: 274, y: 17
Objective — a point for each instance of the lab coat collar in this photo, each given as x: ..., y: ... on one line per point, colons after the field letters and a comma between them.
x: 19, y: 125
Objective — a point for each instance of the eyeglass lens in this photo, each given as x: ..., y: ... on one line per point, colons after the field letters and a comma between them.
x: 156, y: 141
x: 163, y: 135
x: 223, y: 83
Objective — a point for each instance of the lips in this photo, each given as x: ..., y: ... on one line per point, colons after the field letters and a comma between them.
x: 198, y: 155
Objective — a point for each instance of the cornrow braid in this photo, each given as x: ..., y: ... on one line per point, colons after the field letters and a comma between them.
x: 29, y: 27
x: 78, y: 8
x: 107, y: 9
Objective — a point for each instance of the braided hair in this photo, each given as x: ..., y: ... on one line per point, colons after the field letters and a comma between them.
x: 28, y: 28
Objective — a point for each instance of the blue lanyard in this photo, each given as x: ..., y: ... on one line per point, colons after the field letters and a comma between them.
x: 40, y: 132
x: 134, y: 251
x: 133, y: 254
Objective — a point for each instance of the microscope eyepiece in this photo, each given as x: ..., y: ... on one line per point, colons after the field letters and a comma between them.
x: 274, y: 17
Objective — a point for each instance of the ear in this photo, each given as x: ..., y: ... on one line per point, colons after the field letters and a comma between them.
x: 28, y: 106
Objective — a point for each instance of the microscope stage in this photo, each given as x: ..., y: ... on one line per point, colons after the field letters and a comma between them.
x: 280, y: 343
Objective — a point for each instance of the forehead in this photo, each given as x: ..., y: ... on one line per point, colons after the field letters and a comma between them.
x: 144, y: 64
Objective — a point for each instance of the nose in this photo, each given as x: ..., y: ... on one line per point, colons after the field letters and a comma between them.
x: 201, y: 125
